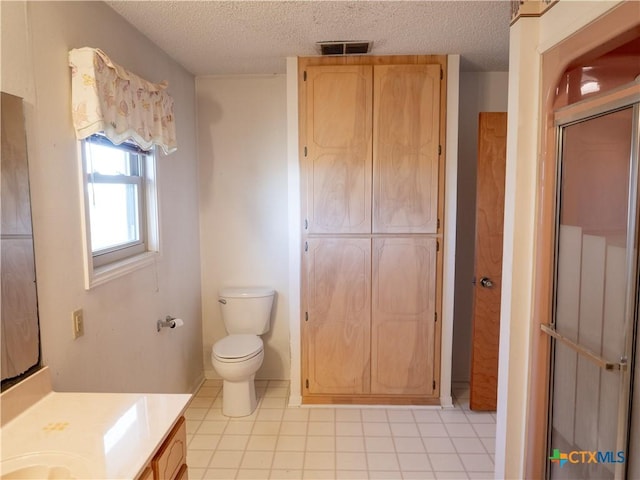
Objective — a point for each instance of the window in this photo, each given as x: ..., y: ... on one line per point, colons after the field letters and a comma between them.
x: 120, y: 224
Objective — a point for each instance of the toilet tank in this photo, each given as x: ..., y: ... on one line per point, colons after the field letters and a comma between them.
x: 246, y: 310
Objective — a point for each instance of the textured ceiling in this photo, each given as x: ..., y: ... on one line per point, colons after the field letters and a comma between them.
x: 243, y: 36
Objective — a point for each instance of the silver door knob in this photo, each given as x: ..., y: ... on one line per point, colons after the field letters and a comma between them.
x: 486, y: 282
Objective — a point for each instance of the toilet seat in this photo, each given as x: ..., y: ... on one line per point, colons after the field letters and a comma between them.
x: 237, y: 348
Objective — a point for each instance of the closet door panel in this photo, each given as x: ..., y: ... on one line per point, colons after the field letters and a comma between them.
x: 406, y: 127
x: 403, y: 316
x: 337, y: 330
x: 338, y: 142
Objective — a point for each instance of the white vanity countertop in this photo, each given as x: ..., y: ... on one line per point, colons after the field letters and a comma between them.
x: 110, y: 435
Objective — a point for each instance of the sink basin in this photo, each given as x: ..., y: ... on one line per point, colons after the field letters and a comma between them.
x: 44, y: 466
x: 39, y: 472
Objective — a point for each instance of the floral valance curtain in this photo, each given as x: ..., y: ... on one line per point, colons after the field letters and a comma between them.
x: 124, y: 107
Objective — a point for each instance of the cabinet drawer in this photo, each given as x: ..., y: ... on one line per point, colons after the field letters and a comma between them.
x: 172, y: 455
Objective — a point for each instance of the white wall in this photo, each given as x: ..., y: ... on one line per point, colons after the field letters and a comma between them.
x: 242, y: 150
x: 121, y: 349
x: 295, y: 232
x: 479, y: 92
x: 450, y: 226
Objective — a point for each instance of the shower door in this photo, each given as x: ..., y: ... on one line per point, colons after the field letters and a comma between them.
x: 595, y: 291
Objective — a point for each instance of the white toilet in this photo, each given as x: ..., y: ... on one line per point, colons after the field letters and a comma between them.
x: 246, y: 313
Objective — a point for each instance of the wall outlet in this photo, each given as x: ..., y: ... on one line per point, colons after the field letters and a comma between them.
x: 78, y: 323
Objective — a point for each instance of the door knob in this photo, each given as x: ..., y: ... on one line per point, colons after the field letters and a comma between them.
x: 486, y: 282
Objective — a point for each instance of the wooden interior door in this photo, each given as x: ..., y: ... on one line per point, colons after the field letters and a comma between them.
x: 336, y: 328
x: 338, y: 149
x: 406, y: 126
x: 403, y: 316
x: 492, y: 139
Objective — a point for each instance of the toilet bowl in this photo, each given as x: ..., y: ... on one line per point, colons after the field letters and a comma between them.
x: 237, y: 357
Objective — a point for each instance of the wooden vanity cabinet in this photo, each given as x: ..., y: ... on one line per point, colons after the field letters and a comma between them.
x: 182, y: 473
x: 147, y: 474
x: 372, y: 176
x: 170, y: 460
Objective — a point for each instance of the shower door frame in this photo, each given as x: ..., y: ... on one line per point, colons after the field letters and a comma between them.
x: 617, y: 26
x: 627, y: 96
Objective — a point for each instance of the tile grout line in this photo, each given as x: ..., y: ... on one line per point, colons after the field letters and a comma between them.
x: 420, y: 439
x: 395, y: 450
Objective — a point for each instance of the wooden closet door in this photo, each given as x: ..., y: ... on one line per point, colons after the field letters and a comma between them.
x: 338, y: 149
x: 403, y: 316
x: 406, y: 126
x: 337, y: 326
x: 492, y: 155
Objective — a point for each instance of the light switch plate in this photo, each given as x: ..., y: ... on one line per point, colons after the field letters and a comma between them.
x: 78, y: 323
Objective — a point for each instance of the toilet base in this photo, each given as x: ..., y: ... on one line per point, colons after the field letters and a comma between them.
x: 239, y: 398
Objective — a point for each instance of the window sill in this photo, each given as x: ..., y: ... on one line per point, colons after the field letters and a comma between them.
x: 106, y: 273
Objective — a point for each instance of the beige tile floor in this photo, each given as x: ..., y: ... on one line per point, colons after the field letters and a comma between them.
x: 280, y: 442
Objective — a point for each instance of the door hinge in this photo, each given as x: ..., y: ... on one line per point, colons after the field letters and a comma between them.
x: 306, y: 224
x: 304, y: 76
x: 439, y: 150
x: 306, y: 246
x: 434, y: 384
x: 306, y: 316
x: 437, y: 246
x: 441, y: 73
x: 305, y: 151
x: 306, y: 383
x: 435, y: 316
x: 438, y: 224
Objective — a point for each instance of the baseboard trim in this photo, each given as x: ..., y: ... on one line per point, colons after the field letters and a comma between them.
x: 446, y: 401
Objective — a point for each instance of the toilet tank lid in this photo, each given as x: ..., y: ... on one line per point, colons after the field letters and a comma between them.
x: 246, y: 292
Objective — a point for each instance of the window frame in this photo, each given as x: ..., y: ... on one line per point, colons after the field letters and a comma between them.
x: 106, y: 264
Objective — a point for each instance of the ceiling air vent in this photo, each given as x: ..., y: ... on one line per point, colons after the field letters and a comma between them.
x: 349, y: 47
